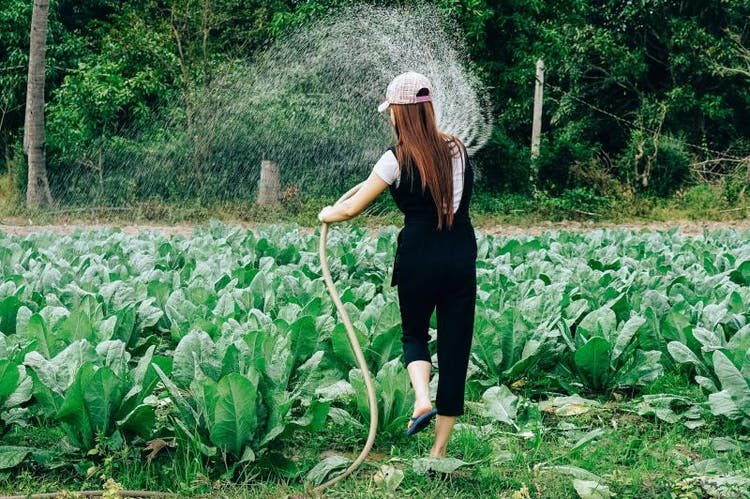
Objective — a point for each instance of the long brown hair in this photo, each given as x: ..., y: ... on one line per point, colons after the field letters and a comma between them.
x: 420, y: 144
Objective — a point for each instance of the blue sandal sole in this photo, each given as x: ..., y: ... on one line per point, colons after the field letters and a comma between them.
x: 420, y: 422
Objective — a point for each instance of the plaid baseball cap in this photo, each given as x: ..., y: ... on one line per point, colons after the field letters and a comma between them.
x: 404, y: 89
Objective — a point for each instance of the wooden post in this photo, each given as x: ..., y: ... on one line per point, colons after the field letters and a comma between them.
x: 269, y: 187
x: 536, y: 125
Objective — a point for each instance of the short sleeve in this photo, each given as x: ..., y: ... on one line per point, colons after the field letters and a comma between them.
x: 387, y: 167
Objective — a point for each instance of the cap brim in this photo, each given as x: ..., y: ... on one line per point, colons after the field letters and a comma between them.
x: 383, y: 106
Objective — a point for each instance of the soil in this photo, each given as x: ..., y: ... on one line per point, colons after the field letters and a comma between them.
x: 690, y: 227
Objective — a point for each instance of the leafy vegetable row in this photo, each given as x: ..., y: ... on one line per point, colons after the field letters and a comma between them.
x: 227, y: 341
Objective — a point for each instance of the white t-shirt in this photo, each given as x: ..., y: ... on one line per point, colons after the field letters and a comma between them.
x: 387, y: 168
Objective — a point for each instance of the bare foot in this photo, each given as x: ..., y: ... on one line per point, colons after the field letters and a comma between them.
x: 420, y: 407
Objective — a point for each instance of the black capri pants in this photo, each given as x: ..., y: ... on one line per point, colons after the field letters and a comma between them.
x: 436, y: 271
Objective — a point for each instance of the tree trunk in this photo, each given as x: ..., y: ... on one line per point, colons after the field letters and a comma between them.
x: 269, y: 188
x: 37, y: 189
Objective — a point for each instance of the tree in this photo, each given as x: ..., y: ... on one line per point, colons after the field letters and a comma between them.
x: 37, y: 189
x: 742, y: 54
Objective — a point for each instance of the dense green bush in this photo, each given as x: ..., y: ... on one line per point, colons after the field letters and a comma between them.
x: 734, y: 186
x: 578, y: 202
x: 658, y: 165
x: 506, y: 203
x: 561, y: 151
x: 513, y: 176
x: 700, y: 197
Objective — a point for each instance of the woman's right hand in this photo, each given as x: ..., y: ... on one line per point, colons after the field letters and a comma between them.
x: 326, y: 214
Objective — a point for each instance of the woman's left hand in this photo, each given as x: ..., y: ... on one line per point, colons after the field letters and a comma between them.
x: 325, y: 214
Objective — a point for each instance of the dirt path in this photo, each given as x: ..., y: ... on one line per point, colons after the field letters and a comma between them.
x: 691, y: 227
x: 66, y: 229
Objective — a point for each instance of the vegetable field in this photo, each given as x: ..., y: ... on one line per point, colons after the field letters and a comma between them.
x: 218, y: 358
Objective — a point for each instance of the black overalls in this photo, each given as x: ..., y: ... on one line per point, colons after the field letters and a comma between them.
x: 436, y: 270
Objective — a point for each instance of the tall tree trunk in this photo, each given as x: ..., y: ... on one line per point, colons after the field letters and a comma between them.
x: 37, y: 189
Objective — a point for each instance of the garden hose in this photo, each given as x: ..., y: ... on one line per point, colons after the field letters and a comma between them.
x: 372, y: 400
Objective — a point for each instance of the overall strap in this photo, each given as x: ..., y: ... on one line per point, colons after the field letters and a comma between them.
x: 468, y: 180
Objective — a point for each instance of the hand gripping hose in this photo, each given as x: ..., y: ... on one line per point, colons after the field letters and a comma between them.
x: 372, y: 400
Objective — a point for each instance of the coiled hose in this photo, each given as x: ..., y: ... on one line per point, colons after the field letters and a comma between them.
x: 372, y: 400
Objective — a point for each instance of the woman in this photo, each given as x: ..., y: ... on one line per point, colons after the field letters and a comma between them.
x: 435, y: 265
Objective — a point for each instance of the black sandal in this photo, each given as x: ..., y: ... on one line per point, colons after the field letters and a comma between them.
x: 420, y: 422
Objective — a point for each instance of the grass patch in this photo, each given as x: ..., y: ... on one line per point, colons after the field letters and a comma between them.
x: 700, y: 202
x: 10, y: 199
x: 634, y: 456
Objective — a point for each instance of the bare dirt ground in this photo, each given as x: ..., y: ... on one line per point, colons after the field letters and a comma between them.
x: 131, y: 229
x: 691, y: 227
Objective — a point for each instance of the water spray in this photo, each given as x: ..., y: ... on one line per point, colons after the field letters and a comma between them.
x: 306, y: 100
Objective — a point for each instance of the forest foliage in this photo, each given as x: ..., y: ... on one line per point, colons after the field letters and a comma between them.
x: 642, y: 96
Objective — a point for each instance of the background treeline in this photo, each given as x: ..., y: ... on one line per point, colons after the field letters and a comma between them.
x: 643, y: 97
